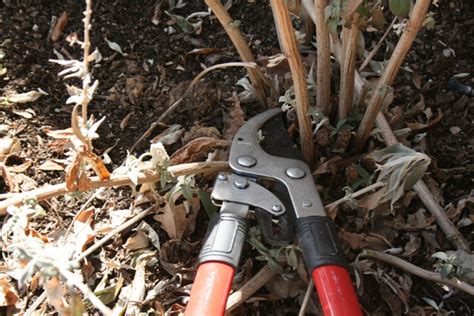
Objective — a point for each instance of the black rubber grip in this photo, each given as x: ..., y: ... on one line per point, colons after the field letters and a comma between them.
x: 318, y: 240
x: 225, y: 239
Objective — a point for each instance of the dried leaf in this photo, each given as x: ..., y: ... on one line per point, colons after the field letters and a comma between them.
x: 56, y: 294
x: 234, y: 120
x: 124, y: 122
x: 114, y: 46
x: 59, y: 26
x: 8, y: 295
x: 26, y: 97
x: 179, y: 219
x: 9, y: 146
x: 27, y: 114
x: 109, y: 294
x: 137, y: 241
x: 137, y: 294
x: 51, y: 165
x: 431, y: 122
x: 361, y: 241
x: 182, y: 23
x: 169, y: 136
x: 82, y: 229
x: 197, y: 149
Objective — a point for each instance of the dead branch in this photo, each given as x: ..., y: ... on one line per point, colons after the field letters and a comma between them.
x: 248, y: 289
x: 413, y: 269
x: 232, y: 30
x: 346, y: 89
x: 323, y: 71
x: 114, y: 181
x: 290, y: 49
x: 414, y: 24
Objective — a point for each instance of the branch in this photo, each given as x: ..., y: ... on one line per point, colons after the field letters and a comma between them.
x: 232, y: 30
x: 346, y: 88
x: 114, y: 181
x: 323, y: 71
x: 248, y: 289
x: 414, y: 24
x: 413, y: 269
x: 291, y: 51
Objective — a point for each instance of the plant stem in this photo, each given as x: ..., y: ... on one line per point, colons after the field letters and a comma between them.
x: 323, y: 71
x: 115, y: 181
x: 414, y: 24
x: 346, y: 89
x: 86, y: 52
x: 290, y: 49
x: 233, y: 31
x: 413, y: 269
x: 377, y: 47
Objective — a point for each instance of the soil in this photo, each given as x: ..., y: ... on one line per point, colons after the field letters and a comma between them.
x: 137, y: 87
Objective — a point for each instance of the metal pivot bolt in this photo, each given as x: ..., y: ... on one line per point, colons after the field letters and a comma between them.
x: 247, y: 161
x: 276, y: 208
x: 307, y: 203
x: 295, y: 172
x: 241, y: 183
x: 222, y: 176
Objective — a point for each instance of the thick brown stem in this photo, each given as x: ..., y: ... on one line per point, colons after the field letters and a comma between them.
x: 346, y: 89
x: 323, y: 71
x: 291, y: 51
x: 414, y: 24
x: 232, y: 30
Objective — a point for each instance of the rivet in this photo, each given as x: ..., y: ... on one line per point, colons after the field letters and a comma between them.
x: 247, y: 161
x: 295, y: 172
x: 307, y: 203
x: 276, y: 208
x: 222, y: 176
x: 241, y: 183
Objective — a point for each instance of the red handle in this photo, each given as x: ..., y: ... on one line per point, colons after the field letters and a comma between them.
x: 210, y: 289
x: 335, y: 291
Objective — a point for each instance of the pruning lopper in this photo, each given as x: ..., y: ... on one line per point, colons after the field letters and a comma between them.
x: 263, y: 150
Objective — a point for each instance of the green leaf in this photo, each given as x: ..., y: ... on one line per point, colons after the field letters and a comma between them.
x: 440, y: 255
x: 292, y: 259
x: 187, y: 192
x: 206, y: 201
x: 183, y: 24
x: 400, y: 8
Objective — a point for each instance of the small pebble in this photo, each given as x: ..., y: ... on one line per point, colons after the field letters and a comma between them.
x: 455, y: 130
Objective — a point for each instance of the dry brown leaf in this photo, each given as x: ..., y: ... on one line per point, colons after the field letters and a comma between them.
x: 173, y: 255
x: 180, y: 219
x: 9, y: 146
x: 373, y: 200
x: 137, y: 241
x: 169, y: 136
x: 197, y: 149
x: 51, y: 165
x: 59, y: 26
x: 234, y: 120
x: 56, y: 293
x: 125, y: 120
x: 431, y: 122
x: 18, y: 168
x: 200, y: 131
x: 8, y: 295
x: 362, y: 241
x: 83, y: 232
x: 10, y: 182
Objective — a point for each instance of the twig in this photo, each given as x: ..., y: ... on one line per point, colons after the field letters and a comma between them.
x: 72, y: 279
x: 129, y: 223
x: 330, y: 208
x: 85, y: 62
x: 248, y: 289
x: 442, y: 219
x: 291, y: 51
x: 323, y: 71
x: 346, y: 89
x: 413, y: 269
x: 39, y: 300
x: 307, y: 295
x: 414, y: 24
x: 115, y: 181
x: 173, y: 106
x: 240, y: 43
x: 377, y: 46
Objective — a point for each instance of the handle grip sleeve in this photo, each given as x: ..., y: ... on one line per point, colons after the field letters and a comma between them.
x: 327, y: 264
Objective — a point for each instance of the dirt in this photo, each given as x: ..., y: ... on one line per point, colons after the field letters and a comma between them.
x: 137, y: 87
